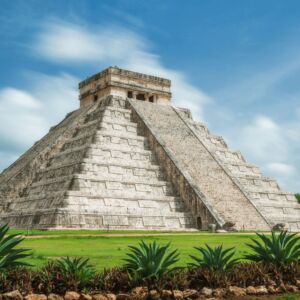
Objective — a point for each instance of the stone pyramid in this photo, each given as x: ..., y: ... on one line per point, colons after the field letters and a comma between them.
x: 127, y: 159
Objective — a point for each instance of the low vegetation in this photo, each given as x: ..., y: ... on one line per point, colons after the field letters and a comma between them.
x: 149, y: 262
x: 271, y: 263
x: 10, y: 256
x: 278, y: 249
x: 215, y: 259
x: 298, y: 197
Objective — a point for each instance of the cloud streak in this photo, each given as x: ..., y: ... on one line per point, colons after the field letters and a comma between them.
x: 26, y: 115
x: 67, y: 43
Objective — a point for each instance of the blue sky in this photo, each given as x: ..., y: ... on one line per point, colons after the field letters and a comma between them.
x: 235, y: 64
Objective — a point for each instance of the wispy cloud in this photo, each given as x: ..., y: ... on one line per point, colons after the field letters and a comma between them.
x: 68, y: 43
x: 26, y: 115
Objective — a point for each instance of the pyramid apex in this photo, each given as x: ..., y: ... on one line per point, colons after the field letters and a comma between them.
x: 124, y: 83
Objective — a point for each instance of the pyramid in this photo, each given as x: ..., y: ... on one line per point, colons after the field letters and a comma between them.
x: 127, y: 159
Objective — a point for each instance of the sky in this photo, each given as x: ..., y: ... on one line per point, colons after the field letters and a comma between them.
x: 235, y: 64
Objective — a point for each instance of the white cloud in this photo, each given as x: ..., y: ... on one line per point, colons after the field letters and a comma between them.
x: 281, y: 168
x: 263, y: 140
x: 25, y: 116
x: 69, y: 43
x: 12, y: 96
x: 271, y: 146
x: 65, y: 42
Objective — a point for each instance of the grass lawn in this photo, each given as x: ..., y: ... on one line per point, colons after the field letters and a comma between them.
x: 108, y: 251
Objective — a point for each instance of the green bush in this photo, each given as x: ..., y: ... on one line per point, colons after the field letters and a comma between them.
x: 214, y: 259
x: 150, y: 262
x: 278, y: 249
x: 77, y: 271
x: 114, y: 280
x: 297, y: 197
x: 10, y: 257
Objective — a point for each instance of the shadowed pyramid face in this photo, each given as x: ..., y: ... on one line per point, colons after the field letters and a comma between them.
x: 122, y: 162
x: 123, y: 83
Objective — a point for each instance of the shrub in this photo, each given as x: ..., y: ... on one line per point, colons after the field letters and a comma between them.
x: 49, y: 280
x: 19, y: 278
x: 76, y: 271
x: 10, y: 257
x: 297, y: 197
x: 279, y: 249
x: 150, y: 262
x: 215, y: 259
x: 114, y: 280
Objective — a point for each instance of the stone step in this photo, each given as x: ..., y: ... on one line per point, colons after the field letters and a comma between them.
x: 128, y: 130
x: 229, y: 156
x: 107, y: 205
x: 242, y: 169
x: 170, y: 205
x: 101, y: 153
x: 144, y: 164
x: 58, y: 170
x: 103, y: 168
x: 199, y: 127
x: 126, y: 155
x: 281, y: 212
x: 131, y: 211
x: 113, y: 112
x: 117, y: 177
x: 87, y: 128
x: 78, y: 219
x: 284, y: 218
x: 102, y: 186
x: 257, y: 189
x: 127, y: 190
x: 98, y: 186
x: 108, y: 137
x: 130, y: 197
x: 121, y: 122
x: 106, y: 122
x: 213, y: 142
x: 278, y: 204
x: 273, y: 196
x: 56, y: 185
x: 259, y: 183
x: 122, y: 147
x: 79, y: 141
x: 110, y: 183
x: 68, y: 156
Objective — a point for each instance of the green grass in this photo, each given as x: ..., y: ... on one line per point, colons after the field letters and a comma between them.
x: 89, y: 232
x: 109, y: 251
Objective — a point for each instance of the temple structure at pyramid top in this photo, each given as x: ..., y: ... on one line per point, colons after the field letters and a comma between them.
x: 128, y: 159
x: 123, y: 83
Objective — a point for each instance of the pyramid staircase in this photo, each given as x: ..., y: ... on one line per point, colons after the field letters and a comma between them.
x: 275, y: 205
x: 221, y: 183
x: 102, y: 176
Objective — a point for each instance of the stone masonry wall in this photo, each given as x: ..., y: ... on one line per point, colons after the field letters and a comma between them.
x: 221, y: 193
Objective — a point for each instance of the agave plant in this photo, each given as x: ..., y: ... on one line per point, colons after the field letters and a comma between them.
x: 11, y: 257
x: 76, y: 270
x: 148, y: 262
x: 215, y: 259
x: 279, y: 249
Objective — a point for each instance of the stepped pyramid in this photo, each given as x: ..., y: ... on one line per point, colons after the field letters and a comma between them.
x: 127, y: 159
